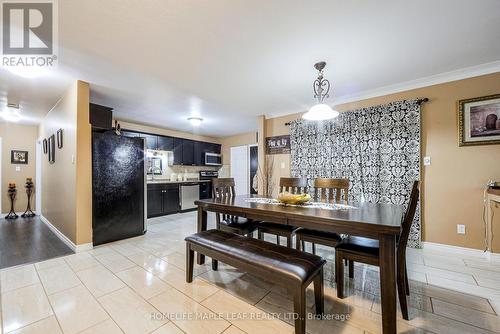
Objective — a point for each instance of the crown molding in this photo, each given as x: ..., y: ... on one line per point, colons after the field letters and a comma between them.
x: 463, y: 73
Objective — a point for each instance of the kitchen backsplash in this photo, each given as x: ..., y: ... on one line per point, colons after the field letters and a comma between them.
x: 192, y: 172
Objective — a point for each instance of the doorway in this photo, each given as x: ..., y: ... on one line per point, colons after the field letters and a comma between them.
x: 254, y: 166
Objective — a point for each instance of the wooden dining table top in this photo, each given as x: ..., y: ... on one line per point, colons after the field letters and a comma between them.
x: 365, y: 216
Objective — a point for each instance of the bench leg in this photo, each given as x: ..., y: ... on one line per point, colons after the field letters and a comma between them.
x: 319, y: 295
x: 260, y: 235
x: 299, y: 303
x: 278, y: 240
x: 297, y: 242
x: 339, y: 274
x: 313, y: 248
x: 215, y: 264
x: 189, y: 263
x: 289, y: 240
x: 351, y: 269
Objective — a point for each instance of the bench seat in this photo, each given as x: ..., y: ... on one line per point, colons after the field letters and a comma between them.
x: 281, y: 265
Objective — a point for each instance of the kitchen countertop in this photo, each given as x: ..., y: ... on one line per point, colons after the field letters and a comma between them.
x: 174, y: 182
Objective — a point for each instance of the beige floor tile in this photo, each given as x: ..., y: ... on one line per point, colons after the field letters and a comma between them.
x: 50, y: 263
x: 106, y: 327
x: 100, y: 280
x: 179, y: 260
x: 131, y: 312
x: 464, y: 287
x: 126, y: 249
x: 47, y: 325
x: 239, y: 285
x: 169, y: 328
x: 149, y: 262
x: 245, y: 316
x: 115, y: 262
x: 81, y: 261
x: 233, y: 330
x: 488, y: 282
x: 101, y: 250
x: 476, y: 318
x: 187, y: 314
x: 461, y: 277
x: 454, y: 297
x: 58, y: 278
x: 24, y: 306
x: 76, y: 309
x: 18, y: 277
x: 143, y: 282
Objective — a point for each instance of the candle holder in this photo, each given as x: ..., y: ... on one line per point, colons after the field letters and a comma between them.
x: 12, y: 192
x: 29, y: 191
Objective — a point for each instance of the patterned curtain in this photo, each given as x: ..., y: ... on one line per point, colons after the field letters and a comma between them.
x: 377, y: 148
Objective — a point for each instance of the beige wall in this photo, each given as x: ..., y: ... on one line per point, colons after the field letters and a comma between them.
x: 246, y: 138
x: 66, y: 195
x: 452, y: 189
x: 23, y: 138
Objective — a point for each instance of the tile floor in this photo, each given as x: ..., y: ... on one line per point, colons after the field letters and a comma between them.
x: 138, y: 286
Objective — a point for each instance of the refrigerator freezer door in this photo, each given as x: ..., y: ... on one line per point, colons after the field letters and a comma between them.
x: 118, y: 187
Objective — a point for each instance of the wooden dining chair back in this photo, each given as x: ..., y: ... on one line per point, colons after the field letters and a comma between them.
x: 331, y: 190
x: 293, y: 185
x: 223, y: 187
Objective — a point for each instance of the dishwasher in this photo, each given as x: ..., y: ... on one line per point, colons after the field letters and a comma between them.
x: 190, y: 192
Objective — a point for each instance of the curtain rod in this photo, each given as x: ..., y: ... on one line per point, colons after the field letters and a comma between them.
x: 419, y: 101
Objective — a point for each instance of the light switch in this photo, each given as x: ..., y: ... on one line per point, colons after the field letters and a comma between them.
x: 460, y: 229
x: 427, y: 161
x: 282, y: 165
x: 18, y: 168
x: 73, y: 159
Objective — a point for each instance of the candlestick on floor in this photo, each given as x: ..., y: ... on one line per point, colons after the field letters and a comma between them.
x: 12, y: 192
x: 29, y: 191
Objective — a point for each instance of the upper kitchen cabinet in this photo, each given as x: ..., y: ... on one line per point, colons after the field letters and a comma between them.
x: 188, y: 152
x: 165, y: 143
x: 178, y: 151
x: 151, y: 141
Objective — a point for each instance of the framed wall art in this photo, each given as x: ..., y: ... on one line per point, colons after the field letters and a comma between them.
x: 479, y: 121
x: 19, y: 157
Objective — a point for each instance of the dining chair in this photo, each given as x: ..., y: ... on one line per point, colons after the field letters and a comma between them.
x: 366, y: 250
x: 328, y: 191
x: 293, y: 185
x: 224, y: 188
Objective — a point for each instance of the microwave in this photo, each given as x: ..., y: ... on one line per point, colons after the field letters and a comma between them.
x: 213, y: 159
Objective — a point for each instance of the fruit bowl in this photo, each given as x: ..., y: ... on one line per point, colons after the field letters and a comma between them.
x: 293, y: 199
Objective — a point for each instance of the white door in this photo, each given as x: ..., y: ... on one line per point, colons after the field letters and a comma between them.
x: 239, y: 169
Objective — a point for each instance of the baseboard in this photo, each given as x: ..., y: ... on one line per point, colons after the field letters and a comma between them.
x: 459, y: 250
x: 69, y: 243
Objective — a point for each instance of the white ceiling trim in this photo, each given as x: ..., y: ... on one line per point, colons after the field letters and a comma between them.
x: 464, y: 73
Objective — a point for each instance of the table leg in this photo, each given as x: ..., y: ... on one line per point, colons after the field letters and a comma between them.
x: 202, y: 226
x: 387, y: 264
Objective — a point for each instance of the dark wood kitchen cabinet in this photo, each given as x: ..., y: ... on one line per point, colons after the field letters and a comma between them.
x: 187, y: 152
x: 178, y: 151
x: 165, y: 143
x: 163, y: 199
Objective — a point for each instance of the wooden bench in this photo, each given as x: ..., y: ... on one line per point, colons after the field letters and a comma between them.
x: 284, y: 266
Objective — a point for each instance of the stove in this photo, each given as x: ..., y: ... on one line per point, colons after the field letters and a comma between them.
x: 206, y: 187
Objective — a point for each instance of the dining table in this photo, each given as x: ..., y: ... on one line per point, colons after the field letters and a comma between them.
x: 370, y: 220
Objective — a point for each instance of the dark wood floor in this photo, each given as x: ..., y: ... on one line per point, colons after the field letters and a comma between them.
x: 26, y: 240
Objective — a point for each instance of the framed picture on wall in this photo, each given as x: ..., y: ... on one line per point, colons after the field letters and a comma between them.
x: 479, y: 121
x: 60, y: 138
x: 44, y: 146
x: 52, y: 149
x: 19, y: 157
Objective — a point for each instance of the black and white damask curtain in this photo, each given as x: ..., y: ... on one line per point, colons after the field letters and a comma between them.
x: 377, y: 148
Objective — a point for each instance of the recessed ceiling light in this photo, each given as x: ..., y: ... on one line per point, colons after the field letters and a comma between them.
x: 11, y: 116
x: 195, y: 121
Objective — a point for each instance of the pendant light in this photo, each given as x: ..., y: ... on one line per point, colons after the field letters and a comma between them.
x: 321, y: 86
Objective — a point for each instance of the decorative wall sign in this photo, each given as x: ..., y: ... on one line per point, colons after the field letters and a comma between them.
x: 479, y: 121
x: 44, y: 145
x: 19, y: 157
x: 60, y: 138
x: 52, y: 149
x: 278, y: 145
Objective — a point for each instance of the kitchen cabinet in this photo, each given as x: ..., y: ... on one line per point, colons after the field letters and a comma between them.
x: 165, y: 143
x: 151, y: 141
x: 187, y: 152
x: 178, y: 151
x: 163, y: 199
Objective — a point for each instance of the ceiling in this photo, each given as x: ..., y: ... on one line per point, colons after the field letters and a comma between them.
x: 160, y: 61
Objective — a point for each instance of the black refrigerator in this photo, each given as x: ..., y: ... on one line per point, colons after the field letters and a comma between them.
x: 118, y: 187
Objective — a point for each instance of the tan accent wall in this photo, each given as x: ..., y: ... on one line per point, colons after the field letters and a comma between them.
x: 452, y: 189
x: 66, y: 184
x: 247, y: 138
x: 166, y: 132
x: 23, y: 138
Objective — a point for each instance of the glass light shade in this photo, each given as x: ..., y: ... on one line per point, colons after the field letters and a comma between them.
x: 320, y: 112
x: 11, y: 116
x: 195, y: 121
